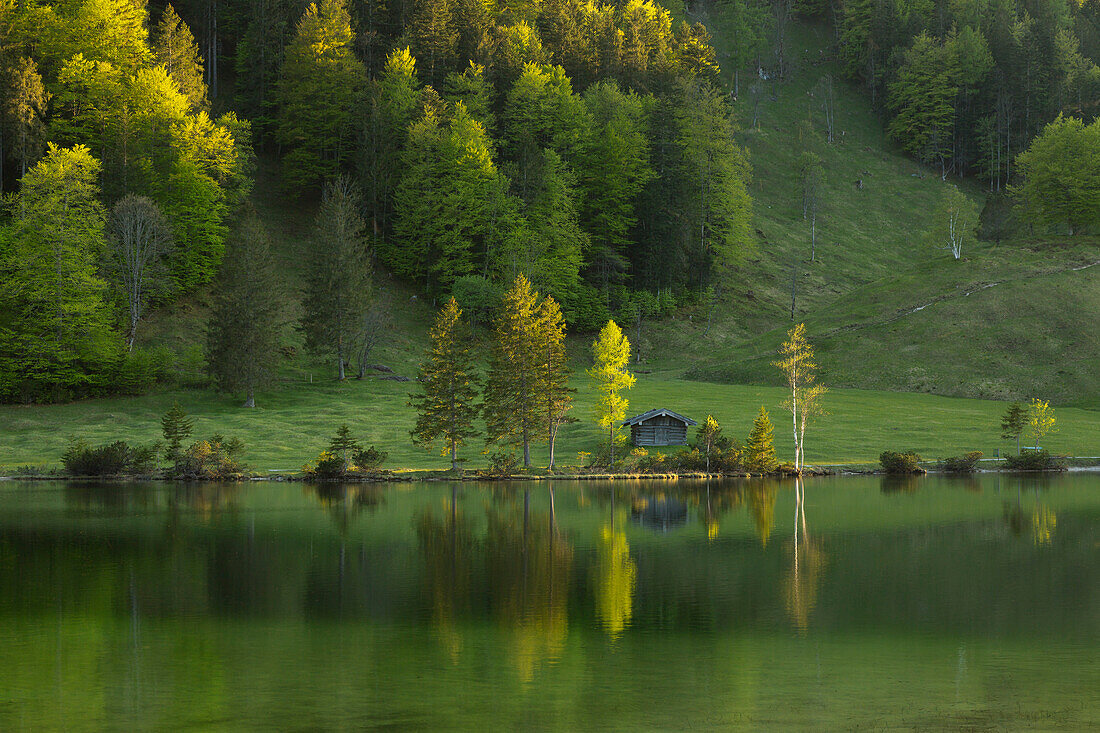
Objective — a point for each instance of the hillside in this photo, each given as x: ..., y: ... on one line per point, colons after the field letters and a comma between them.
x: 877, y: 290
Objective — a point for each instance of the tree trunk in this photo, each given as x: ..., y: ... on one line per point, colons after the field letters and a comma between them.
x: 526, y: 450
x: 250, y: 401
x: 454, y: 455
x: 611, y: 435
x: 813, y: 236
x: 553, y: 439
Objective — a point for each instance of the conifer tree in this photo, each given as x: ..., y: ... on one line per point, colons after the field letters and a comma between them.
x: 25, y: 110
x: 513, y: 410
x: 343, y: 445
x: 178, y: 53
x: 246, y: 322
x: 320, y: 86
x: 446, y: 408
x: 176, y: 428
x: 339, y: 280
x: 611, y: 352
x: 1013, y: 423
x: 760, y: 447
x: 392, y: 101
x: 435, y: 38
x: 552, y: 381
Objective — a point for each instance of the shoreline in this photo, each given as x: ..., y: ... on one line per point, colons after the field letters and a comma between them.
x: 853, y: 469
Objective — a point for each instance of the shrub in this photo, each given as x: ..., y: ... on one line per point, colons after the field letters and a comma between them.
x: 503, y: 463
x: 112, y: 459
x: 966, y: 463
x: 1033, y: 460
x: 215, y: 458
x: 370, y: 459
x: 326, y: 465
x: 897, y: 463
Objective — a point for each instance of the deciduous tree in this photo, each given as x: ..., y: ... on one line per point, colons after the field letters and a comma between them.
x: 1040, y: 420
x: 954, y: 222
x: 140, y: 245
x: 611, y: 353
x: 1061, y: 175
x: 796, y: 362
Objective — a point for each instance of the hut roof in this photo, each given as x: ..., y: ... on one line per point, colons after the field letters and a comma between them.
x: 661, y: 412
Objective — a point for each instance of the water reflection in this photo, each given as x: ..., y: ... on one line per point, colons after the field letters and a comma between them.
x: 762, y: 494
x: 529, y: 565
x: 344, y: 502
x: 802, y: 581
x: 447, y: 545
x: 1037, y: 520
x: 660, y: 513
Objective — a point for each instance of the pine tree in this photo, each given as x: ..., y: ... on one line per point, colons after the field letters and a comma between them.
x: 552, y: 380
x: 435, y: 37
x: 25, y: 109
x: 319, y: 90
x: 446, y: 408
x: 513, y: 411
x: 246, y: 322
x: 1013, y: 423
x: 339, y: 279
x: 343, y: 445
x: 611, y: 352
x: 176, y: 428
x: 760, y: 447
x: 178, y: 53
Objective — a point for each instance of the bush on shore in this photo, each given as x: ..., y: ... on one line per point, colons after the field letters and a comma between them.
x: 894, y: 462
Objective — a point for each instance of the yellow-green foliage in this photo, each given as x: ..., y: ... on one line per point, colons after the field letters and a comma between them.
x: 612, y: 354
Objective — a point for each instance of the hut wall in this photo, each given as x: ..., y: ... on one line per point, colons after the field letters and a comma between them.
x: 659, y: 431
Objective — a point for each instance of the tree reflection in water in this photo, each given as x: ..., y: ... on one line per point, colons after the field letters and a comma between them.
x: 803, y: 580
x: 1039, y: 521
x: 344, y: 502
x: 762, y: 494
x: 529, y: 565
x: 448, y: 547
x: 616, y: 575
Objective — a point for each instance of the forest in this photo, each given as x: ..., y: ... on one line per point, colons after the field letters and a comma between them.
x: 457, y: 144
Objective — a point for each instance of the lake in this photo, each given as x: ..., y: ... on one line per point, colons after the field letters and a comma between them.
x: 915, y: 603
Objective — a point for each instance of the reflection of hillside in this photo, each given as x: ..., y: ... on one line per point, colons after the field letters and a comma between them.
x: 529, y: 566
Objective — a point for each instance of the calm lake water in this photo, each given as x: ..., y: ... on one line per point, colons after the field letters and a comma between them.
x: 915, y: 604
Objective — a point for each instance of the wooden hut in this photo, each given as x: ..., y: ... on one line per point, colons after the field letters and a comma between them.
x: 659, y: 427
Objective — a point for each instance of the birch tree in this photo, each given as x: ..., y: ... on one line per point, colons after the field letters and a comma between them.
x: 800, y: 370
x: 954, y: 222
x: 140, y: 245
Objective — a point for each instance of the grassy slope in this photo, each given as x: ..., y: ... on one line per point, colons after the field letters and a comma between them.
x: 1033, y: 334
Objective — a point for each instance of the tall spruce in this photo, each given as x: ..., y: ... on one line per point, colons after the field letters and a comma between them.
x: 178, y: 53
x: 552, y: 380
x: 25, y: 110
x: 338, y: 287
x: 760, y: 447
x: 176, y: 427
x: 447, y: 406
x: 243, y: 334
x: 512, y: 408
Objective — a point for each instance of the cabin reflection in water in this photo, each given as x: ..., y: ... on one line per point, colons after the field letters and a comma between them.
x: 659, y: 513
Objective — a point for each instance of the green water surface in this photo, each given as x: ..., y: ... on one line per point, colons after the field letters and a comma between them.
x: 927, y: 604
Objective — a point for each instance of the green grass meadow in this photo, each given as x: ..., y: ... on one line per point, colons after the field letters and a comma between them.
x: 293, y: 423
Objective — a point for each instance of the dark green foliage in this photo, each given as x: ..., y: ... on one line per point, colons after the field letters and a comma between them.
x: 1033, y: 460
x: 338, y: 290
x: 370, y: 459
x: 243, y: 332
x: 112, y: 459
x: 966, y: 463
x: 1013, y: 423
x: 478, y: 297
x: 176, y: 428
x: 899, y: 463
x: 344, y: 446
x: 503, y: 463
